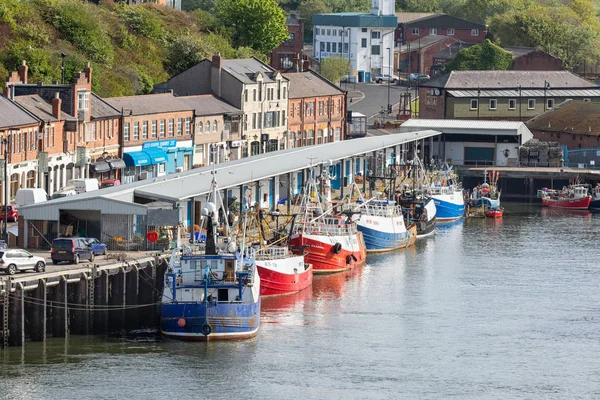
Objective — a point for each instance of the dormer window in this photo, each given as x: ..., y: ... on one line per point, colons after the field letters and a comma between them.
x: 83, y: 100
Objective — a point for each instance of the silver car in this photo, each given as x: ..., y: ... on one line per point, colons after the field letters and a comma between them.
x: 14, y: 260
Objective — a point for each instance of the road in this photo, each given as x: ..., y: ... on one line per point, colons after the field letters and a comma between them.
x: 370, y: 98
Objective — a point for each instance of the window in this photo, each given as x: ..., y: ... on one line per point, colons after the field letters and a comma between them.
x: 474, y: 104
x: 363, y: 30
x: 474, y: 32
x: 200, y: 127
x: 83, y: 99
x: 162, y: 128
x: 290, y: 41
x: 145, y: 130
x: 310, y: 139
x: 136, y: 131
x: 292, y: 107
x: 335, y: 32
x: 154, y: 129
x: 337, y: 135
x: 179, y: 126
x: 245, y: 95
x: 320, y: 136
x: 259, y: 120
x: 317, y: 32
x: 299, y: 110
x: 363, y: 43
x: 328, y: 32
x: 260, y: 91
x: 283, y: 118
x: 549, y: 103
x: 171, y: 131
x: 450, y: 31
x: 340, y: 47
x: 284, y: 92
x: 188, y: 123
x: 328, y: 47
x: 322, y: 46
x: 215, y: 126
x: 254, y: 94
x: 245, y: 122
x: 278, y: 90
x: 375, y: 50
x: 415, y: 31
x: 334, y: 47
x: 493, y: 104
x: 433, y: 31
x: 253, y: 120
x: 531, y: 104
x: 207, y: 126
x: 52, y: 136
x: 375, y: 35
x: 512, y: 104
x: 345, y: 47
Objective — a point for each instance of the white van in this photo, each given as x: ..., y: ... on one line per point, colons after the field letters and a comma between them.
x: 84, y: 185
x: 26, y: 197
x: 64, y: 192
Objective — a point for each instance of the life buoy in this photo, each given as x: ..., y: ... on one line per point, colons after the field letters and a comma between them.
x: 206, y: 329
x: 337, y: 248
x: 348, y: 259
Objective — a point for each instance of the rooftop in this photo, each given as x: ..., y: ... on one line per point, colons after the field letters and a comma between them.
x: 149, y: 104
x: 405, y: 17
x: 11, y: 115
x: 423, y: 42
x: 444, y: 21
x: 208, y: 104
x: 39, y: 107
x: 310, y: 84
x: 355, y: 19
x: 101, y: 109
x: 572, y: 116
x: 246, y: 69
x: 480, y: 127
x: 509, y: 80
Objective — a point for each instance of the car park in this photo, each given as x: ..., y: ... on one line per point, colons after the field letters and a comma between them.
x: 15, y: 260
x: 9, y: 212
x: 71, y: 249
x: 98, y: 247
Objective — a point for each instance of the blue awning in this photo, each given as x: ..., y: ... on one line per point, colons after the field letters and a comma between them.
x: 157, y: 155
x: 137, y: 159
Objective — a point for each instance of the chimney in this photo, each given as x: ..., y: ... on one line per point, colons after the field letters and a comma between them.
x: 88, y: 73
x: 216, y: 61
x: 56, y: 105
x: 23, y: 69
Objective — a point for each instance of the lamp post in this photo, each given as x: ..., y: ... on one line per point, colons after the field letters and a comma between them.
x: 520, y: 108
x: 4, y: 231
x: 389, y: 106
x: 478, y: 95
x: 546, y: 87
x: 62, y: 67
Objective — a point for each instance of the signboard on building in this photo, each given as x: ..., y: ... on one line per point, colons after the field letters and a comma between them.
x: 80, y: 158
x: 2, y: 169
x: 43, y: 162
x: 161, y: 144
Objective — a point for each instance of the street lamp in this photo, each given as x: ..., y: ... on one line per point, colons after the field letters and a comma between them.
x: 62, y: 67
x: 389, y: 106
x: 546, y: 87
x: 478, y: 94
x: 4, y: 231
x: 520, y: 108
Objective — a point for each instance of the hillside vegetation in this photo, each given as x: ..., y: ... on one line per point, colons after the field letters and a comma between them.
x: 130, y: 47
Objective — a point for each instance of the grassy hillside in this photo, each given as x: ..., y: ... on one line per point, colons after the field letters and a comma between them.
x: 130, y: 47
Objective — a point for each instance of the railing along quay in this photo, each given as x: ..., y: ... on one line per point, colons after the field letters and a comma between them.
x: 92, y: 299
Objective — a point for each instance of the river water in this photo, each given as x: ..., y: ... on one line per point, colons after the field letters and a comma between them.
x: 485, y: 309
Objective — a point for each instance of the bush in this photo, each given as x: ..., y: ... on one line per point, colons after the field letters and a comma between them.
x: 141, y: 21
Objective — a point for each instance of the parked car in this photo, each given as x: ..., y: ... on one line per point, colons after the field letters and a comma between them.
x: 15, y: 260
x: 84, y: 185
x: 386, y: 77
x: 11, y: 213
x: 98, y: 247
x: 71, y: 249
x: 3, y: 245
x: 109, y: 183
x: 25, y: 197
x: 416, y: 77
x: 65, y: 192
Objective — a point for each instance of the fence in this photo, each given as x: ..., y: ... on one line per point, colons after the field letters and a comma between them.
x: 582, y: 158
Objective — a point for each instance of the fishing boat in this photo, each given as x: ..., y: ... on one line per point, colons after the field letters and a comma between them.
x: 595, y: 203
x: 494, y: 212
x: 572, y: 197
x: 212, y: 290
x: 487, y: 194
x: 281, y: 271
x: 333, y: 241
x: 447, y: 194
x: 418, y: 208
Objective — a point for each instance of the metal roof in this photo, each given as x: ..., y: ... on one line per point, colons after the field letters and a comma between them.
x: 355, y: 19
x: 196, y: 181
x: 11, y: 115
x: 513, y: 93
x: 465, y: 126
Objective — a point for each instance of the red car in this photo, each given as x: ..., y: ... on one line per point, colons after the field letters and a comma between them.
x: 109, y: 183
x: 11, y: 213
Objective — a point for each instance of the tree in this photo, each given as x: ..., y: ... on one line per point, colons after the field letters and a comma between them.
x: 333, y: 68
x: 307, y: 9
x: 190, y: 5
x: 259, y: 24
x: 482, y: 57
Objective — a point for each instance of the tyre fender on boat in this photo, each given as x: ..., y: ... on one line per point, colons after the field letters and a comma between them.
x: 337, y: 248
x: 206, y: 329
x: 348, y: 259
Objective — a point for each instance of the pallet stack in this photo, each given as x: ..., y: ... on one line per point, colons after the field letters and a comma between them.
x: 536, y: 153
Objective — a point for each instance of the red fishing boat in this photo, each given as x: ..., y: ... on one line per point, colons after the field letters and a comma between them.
x: 494, y: 212
x: 573, y: 197
x: 333, y: 241
x: 282, y: 272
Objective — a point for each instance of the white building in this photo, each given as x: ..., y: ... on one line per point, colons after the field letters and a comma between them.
x: 367, y: 40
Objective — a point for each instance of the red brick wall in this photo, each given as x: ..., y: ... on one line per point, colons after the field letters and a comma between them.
x: 291, y: 47
x: 22, y: 144
x: 537, y: 61
x: 460, y: 34
x: 431, y: 106
x: 573, y: 141
x: 328, y: 120
x: 158, y: 118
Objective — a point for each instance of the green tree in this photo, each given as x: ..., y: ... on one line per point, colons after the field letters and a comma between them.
x: 482, y: 57
x: 333, y: 68
x: 308, y: 8
x: 191, y: 5
x: 259, y: 24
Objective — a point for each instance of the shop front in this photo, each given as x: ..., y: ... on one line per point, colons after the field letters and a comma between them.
x: 143, y: 164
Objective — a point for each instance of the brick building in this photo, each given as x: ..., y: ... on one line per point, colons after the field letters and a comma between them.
x: 284, y: 57
x: 317, y: 110
x: 419, y: 55
x: 574, y: 123
x: 501, y: 95
x: 410, y: 29
x: 88, y: 145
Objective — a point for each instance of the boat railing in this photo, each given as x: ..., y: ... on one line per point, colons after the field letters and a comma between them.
x: 333, y: 228
x: 381, y: 210
x: 272, y: 253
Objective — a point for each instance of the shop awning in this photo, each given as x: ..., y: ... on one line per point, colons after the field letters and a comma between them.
x: 101, y: 166
x: 137, y: 159
x: 157, y: 156
x: 116, y: 163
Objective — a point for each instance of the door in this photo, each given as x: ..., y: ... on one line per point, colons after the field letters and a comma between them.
x: 27, y: 260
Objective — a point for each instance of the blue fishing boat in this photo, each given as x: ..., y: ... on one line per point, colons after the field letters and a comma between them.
x: 212, y: 290
x: 487, y: 194
x: 447, y: 195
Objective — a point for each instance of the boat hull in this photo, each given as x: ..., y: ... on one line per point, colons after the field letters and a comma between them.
x: 486, y: 202
x: 383, y: 234
x: 284, y: 276
x: 449, y: 207
x: 595, y: 204
x: 322, y: 255
x: 227, y: 321
x: 572, y: 204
